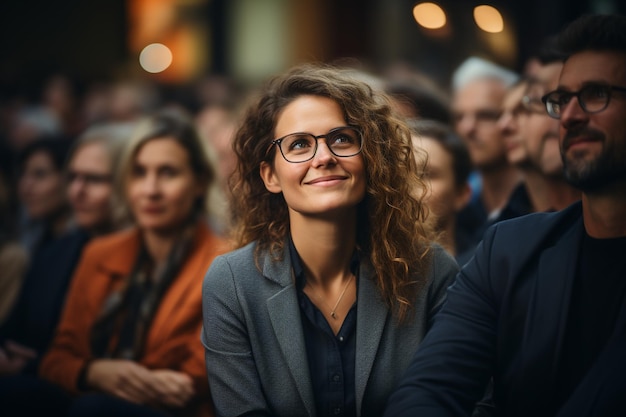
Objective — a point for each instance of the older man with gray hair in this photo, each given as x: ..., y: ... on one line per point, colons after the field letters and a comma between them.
x: 479, y: 87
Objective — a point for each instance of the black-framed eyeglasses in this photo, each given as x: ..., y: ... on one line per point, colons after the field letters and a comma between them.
x: 299, y: 147
x: 592, y: 98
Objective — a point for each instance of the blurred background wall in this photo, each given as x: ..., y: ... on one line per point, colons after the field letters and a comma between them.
x: 251, y: 39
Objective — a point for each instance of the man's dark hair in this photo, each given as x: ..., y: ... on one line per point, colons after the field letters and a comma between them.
x: 594, y: 32
x: 549, y: 52
x: 56, y: 146
x: 427, y: 103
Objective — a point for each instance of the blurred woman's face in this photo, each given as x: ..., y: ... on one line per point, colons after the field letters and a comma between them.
x: 41, y: 186
x: 90, y: 186
x: 445, y: 199
x: 162, y: 187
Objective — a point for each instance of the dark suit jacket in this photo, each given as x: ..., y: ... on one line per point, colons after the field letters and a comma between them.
x: 255, y: 351
x: 506, y: 316
x: 35, y: 315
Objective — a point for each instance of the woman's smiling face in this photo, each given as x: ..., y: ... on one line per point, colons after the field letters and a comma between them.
x: 326, y: 183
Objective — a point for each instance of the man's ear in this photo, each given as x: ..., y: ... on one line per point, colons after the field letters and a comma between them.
x: 269, y: 178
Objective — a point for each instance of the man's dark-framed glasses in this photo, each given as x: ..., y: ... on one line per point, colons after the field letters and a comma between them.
x: 592, y: 98
x: 298, y: 147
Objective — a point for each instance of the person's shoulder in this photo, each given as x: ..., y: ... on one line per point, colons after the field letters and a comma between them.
x: 443, y: 265
x: 240, y: 262
x: 241, y: 254
x: 517, y: 241
x: 541, y: 221
x: 234, y: 269
x: 441, y: 257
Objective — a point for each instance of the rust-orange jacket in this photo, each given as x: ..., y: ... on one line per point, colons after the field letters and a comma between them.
x: 173, y: 340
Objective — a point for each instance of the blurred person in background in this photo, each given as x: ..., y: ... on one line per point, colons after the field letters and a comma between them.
x: 447, y: 168
x: 336, y: 278
x: 54, y: 111
x: 416, y: 96
x: 526, y: 195
x: 217, y: 124
x: 532, y: 141
x: 41, y: 192
x: 61, y: 97
x: 479, y: 87
x: 127, y: 343
x: 90, y: 175
x: 540, y: 134
x: 13, y: 257
x: 30, y: 327
x: 130, y: 99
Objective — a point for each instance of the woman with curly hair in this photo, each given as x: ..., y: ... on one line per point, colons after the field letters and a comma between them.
x: 335, y: 279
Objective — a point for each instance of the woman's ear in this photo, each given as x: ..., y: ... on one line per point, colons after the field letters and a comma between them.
x: 269, y: 178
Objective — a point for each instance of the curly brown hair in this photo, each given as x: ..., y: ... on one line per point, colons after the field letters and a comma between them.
x: 392, y: 232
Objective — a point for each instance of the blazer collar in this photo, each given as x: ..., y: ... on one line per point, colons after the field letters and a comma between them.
x: 284, y: 313
x: 549, y: 310
x: 371, y: 318
x: 127, y: 248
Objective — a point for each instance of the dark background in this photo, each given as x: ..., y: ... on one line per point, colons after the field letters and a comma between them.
x: 88, y: 38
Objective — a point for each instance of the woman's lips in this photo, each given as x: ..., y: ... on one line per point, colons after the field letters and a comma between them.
x: 326, y: 180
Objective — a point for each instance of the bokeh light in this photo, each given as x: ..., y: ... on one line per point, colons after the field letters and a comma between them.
x: 155, y: 58
x: 429, y: 15
x: 488, y: 18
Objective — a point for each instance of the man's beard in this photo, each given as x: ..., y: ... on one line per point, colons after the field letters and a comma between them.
x: 605, y: 169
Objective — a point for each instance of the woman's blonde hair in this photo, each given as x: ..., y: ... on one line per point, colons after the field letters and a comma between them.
x: 391, y: 230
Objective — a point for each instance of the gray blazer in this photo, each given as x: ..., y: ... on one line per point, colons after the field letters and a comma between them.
x: 254, y: 344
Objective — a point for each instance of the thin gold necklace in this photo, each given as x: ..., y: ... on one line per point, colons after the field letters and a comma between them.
x: 333, y: 311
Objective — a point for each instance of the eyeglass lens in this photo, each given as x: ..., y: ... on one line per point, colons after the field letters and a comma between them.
x: 299, y: 147
x: 592, y: 98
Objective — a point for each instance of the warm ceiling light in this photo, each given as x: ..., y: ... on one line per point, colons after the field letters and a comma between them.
x: 429, y: 15
x: 488, y: 18
x: 155, y: 58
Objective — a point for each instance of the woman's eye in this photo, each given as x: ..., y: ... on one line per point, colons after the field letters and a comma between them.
x: 168, y: 172
x: 138, y: 171
x: 342, y: 138
x: 300, y: 143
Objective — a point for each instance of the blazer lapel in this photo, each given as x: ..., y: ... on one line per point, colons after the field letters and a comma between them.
x: 284, y: 313
x: 125, y: 255
x: 370, y: 324
x: 548, y: 312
